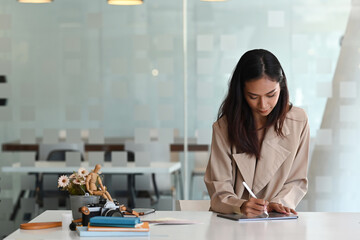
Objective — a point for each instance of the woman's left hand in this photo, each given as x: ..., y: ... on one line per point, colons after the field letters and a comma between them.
x: 278, y: 207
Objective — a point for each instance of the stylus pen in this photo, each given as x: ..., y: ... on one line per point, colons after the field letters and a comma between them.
x: 253, y: 195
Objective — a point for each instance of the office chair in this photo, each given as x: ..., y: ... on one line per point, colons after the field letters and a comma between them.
x: 60, y: 154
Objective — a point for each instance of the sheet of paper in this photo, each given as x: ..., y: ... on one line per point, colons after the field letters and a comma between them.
x: 171, y: 221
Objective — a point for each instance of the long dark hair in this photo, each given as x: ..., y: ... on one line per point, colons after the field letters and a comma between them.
x: 254, y: 64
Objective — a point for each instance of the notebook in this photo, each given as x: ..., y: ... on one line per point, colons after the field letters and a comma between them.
x: 272, y: 216
x: 143, y: 227
x: 83, y: 232
x: 114, y: 221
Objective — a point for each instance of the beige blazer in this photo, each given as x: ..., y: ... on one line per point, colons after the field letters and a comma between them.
x: 280, y: 175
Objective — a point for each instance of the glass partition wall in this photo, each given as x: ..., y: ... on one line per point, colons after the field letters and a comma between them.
x: 95, y: 72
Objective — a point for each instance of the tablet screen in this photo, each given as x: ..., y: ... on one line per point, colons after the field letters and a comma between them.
x: 263, y: 217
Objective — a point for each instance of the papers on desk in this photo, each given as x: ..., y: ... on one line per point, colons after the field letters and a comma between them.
x: 171, y: 221
x: 272, y: 216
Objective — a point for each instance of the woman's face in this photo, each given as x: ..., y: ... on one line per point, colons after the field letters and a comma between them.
x: 262, y: 95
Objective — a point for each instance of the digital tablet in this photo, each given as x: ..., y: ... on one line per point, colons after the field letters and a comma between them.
x: 272, y: 216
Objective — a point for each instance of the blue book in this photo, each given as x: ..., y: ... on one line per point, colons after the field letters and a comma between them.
x: 83, y: 232
x: 114, y: 221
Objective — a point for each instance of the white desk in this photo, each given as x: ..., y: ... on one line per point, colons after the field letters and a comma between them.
x: 310, y: 226
x: 131, y: 170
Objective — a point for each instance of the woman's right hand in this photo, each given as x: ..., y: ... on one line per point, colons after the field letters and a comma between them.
x: 254, y: 207
x: 277, y: 207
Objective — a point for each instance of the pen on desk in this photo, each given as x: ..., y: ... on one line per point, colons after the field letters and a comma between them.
x: 253, y: 195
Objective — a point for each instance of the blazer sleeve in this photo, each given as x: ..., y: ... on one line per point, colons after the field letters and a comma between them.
x: 219, y: 176
x: 296, y: 184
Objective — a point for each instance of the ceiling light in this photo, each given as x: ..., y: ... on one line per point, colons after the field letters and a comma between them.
x: 125, y: 2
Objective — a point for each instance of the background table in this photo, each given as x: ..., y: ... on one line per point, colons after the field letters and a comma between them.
x: 309, y: 225
x: 116, y: 144
x: 59, y: 166
x: 130, y: 170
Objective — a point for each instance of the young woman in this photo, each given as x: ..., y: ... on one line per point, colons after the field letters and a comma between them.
x: 259, y: 138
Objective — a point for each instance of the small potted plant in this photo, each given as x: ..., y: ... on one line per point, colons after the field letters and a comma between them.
x: 75, y: 185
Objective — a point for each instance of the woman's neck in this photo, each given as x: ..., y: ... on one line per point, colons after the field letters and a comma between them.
x: 259, y: 122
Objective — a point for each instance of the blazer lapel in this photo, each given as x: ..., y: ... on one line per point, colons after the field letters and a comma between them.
x: 246, y: 165
x: 272, y: 156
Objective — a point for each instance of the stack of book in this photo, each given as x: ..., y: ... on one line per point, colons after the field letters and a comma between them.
x: 100, y: 226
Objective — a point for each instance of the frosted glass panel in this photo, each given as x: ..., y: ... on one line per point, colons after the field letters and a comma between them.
x: 27, y: 114
x: 205, y: 65
x: 142, y: 113
x: 323, y: 184
x: 349, y: 114
x: 205, y: 90
x: 348, y: 89
x: 27, y: 136
x: 228, y: 42
x: 5, y: 44
x: 95, y: 113
x: 5, y: 21
x: 5, y: 90
x: 166, y: 112
x: 72, y: 44
x: 5, y: 114
x: 324, y: 137
x: 142, y: 159
x: 28, y: 182
x: 276, y: 19
x: 165, y: 43
x: 119, y: 159
x: 73, y: 113
x: 94, y: 20
x: 166, y: 89
x: 73, y: 135
x: 51, y: 136
x: 120, y: 89
x: 27, y: 159
x: 205, y: 42
x: 95, y: 89
x: 142, y: 135
x: 96, y: 136
x: 324, y: 89
x: 72, y: 159
x: 348, y: 137
x: 5, y: 67
x: 324, y: 65
x: 203, y: 136
x: 166, y: 135
x: 96, y: 158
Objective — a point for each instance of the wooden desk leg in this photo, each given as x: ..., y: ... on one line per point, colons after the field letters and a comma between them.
x: 131, y: 190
